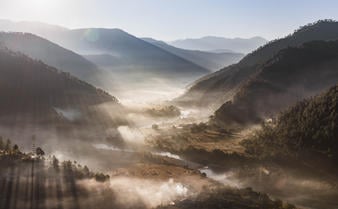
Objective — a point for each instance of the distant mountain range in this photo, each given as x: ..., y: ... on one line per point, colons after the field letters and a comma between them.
x: 131, y: 55
x: 220, y: 44
x: 131, y: 52
x: 209, y: 60
x: 120, y: 53
x: 221, y: 86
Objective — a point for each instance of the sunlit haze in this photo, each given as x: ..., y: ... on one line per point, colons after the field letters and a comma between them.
x: 168, y: 104
x: 175, y: 19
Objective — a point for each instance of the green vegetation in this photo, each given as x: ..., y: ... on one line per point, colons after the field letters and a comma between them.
x: 311, y: 124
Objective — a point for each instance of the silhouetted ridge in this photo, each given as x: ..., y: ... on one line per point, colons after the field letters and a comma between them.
x: 28, y: 84
x: 222, y: 85
x: 51, y: 54
x: 291, y: 75
x: 128, y: 51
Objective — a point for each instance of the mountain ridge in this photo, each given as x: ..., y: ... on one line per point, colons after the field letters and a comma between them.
x: 209, y: 60
x: 52, y: 54
x: 291, y: 75
x: 222, y: 85
x: 210, y: 43
x: 31, y: 87
x: 130, y: 51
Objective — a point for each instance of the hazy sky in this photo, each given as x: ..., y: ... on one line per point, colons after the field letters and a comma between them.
x: 174, y: 19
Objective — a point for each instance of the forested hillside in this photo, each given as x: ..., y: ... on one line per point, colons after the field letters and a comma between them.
x: 291, y: 75
x: 221, y: 86
x: 29, y: 86
x: 310, y: 125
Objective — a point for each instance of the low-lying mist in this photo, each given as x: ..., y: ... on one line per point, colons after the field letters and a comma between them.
x: 131, y: 192
x: 106, y: 144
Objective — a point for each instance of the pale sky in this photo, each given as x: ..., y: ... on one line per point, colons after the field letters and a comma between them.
x: 176, y: 19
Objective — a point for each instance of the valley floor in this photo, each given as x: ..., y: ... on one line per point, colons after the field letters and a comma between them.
x: 169, y: 160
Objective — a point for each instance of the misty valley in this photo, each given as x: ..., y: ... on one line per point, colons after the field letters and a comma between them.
x: 99, y: 118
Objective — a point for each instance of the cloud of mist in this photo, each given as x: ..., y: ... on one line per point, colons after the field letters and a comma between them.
x: 112, y: 148
x: 167, y: 154
x: 152, y: 193
x: 130, y: 192
x: 226, y: 178
x: 69, y: 114
x: 131, y: 135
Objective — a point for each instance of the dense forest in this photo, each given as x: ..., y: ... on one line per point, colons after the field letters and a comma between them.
x: 310, y: 125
